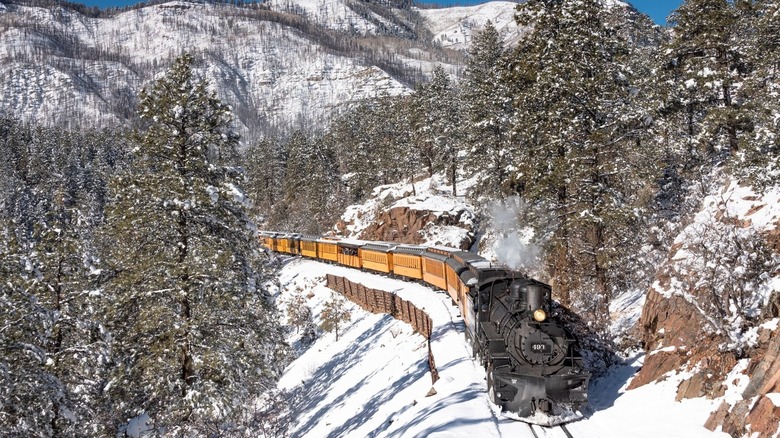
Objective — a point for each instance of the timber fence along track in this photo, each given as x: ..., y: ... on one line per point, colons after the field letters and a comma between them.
x: 379, y: 301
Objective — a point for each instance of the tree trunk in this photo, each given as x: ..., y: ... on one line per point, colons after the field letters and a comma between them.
x: 453, y: 178
x: 561, y: 263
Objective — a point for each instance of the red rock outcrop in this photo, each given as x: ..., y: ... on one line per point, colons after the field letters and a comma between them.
x: 756, y: 413
x: 404, y: 225
x: 675, y: 338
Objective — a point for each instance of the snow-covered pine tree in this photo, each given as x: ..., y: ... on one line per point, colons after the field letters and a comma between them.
x: 265, y: 164
x: 436, y: 125
x: 762, y: 44
x: 351, y: 138
x: 194, y: 336
x: 53, y: 349
x: 372, y: 144
x: 74, y: 342
x: 700, y: 79
x: 312, y: 186
x: 575, y: 122
x: 488, y: 113
x: 26, y: 388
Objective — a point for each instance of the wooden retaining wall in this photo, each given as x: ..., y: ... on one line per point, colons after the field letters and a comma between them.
x: 379, y: 301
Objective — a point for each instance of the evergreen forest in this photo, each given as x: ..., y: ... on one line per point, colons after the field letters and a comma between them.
x: 131, y: 280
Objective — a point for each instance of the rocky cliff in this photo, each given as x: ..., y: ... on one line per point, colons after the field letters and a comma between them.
x: 429, y: 215
x: 719, y: 326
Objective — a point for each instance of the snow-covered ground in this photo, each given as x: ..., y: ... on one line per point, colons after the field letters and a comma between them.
x: 374, y: 381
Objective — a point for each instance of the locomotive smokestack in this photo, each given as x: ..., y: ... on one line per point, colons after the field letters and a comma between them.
x: 535, y: 296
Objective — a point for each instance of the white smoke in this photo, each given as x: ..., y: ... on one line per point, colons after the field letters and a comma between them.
x: 513, y: 246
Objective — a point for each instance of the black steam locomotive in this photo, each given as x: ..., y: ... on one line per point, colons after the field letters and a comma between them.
x: 534, y: 367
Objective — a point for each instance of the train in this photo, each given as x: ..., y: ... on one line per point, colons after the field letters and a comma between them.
x: 534, y: 367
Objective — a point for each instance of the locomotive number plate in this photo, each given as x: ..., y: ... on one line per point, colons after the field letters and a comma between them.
x: 541, y: 347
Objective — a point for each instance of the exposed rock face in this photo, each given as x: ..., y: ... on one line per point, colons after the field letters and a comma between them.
x: 679, y: 337
x: 757, y: 412
x: 405, y: 225
x: 675, y: 337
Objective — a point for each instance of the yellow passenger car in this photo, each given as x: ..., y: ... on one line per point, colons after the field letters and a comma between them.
x: 327, y: 249
x: 407, y: 261
x: 349, y: 254
x: 433, y: 269
x: 284, y: 243
x: 281, y: 243
x: 377, y: 257
x: 308, y: 246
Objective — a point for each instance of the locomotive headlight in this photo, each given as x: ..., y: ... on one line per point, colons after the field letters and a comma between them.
x: 540, y: 315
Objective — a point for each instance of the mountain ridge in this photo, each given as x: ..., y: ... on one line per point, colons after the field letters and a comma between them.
x: 279, y: 71
x: 283, y: 65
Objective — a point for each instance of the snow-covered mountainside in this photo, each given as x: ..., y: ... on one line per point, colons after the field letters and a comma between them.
x: 281, y: 64
x: 455, y: 27
x: 288, y: 64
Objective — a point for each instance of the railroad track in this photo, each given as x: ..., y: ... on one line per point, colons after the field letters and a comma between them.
x: 547, y: 432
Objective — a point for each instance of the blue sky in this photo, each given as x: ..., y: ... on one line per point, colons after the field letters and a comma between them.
x: 658, y: 10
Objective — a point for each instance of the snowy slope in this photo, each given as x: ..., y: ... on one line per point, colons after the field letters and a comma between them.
x: 374, y: 381
x: 456, y: 27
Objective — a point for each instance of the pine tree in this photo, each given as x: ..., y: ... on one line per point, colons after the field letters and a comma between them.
x: 761, y: 39
x: 436, y: 126
x: 74, y: 342
x: 312, y: 187
x: 576, y: 124
x: 371, y: 144
x: 26, y: 388
x: 700, y: 81
x: 56, y: 351
x: 194, y: 335
x: 488, y: 112
x: 265, y: 165
x: 334, y: 314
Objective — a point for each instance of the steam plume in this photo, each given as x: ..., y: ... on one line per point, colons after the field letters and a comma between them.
x: 513, y: 246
